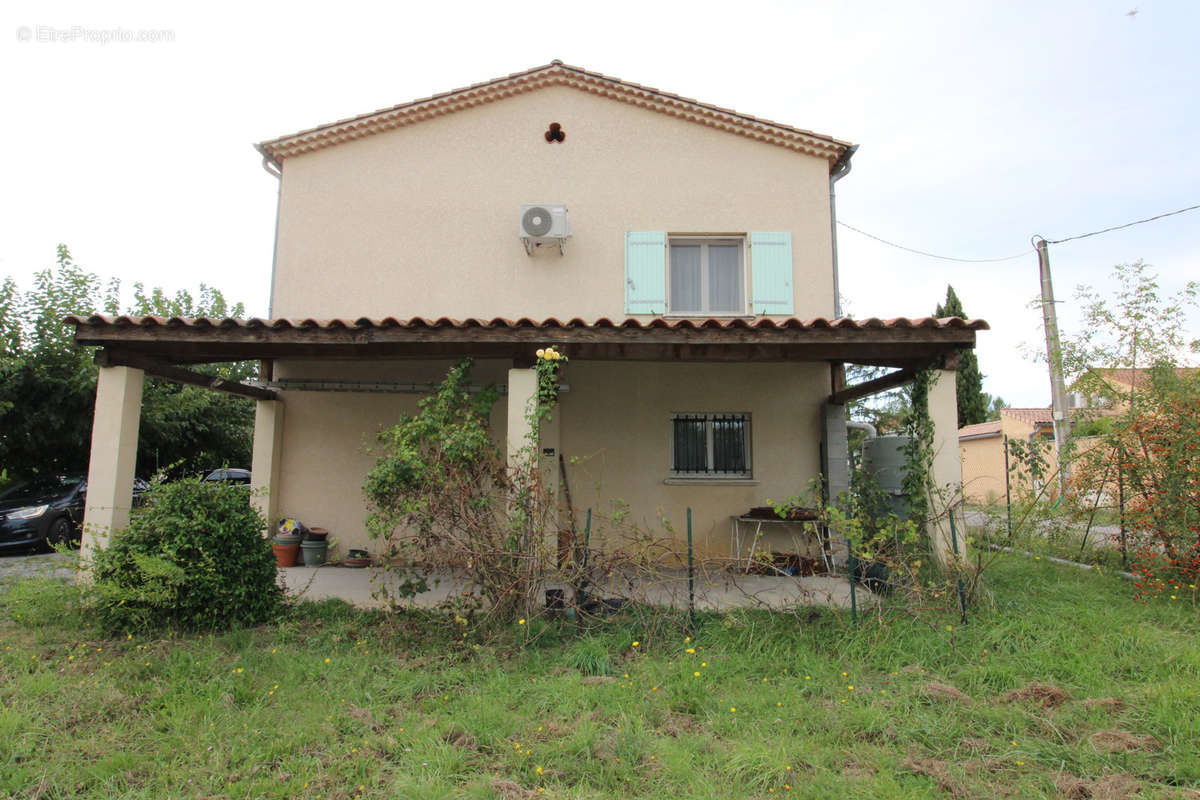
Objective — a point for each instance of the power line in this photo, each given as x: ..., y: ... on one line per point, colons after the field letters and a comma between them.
x: 1018, y: 255
x: 1119, y: 227
x: 934, y: 255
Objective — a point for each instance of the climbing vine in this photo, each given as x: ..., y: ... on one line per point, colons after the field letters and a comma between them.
x: 918, y: 451
x: 443, y: 499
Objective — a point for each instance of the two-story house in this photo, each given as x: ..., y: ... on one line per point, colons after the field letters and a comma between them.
x: 696, y: 297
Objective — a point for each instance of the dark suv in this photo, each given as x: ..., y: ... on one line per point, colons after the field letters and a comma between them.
x: 48, y: 509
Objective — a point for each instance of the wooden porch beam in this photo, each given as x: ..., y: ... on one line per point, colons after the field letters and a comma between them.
x: 159, y: 369
x: 889, y: 381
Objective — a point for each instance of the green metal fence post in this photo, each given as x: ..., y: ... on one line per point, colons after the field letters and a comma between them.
x: 691, y: 577
x: 853, y: 597
x: 962, y: 593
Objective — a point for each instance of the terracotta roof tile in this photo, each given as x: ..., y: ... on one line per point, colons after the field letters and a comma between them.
x: 1032, y: 416
x: 554, y: 73
x: 1135, y: 377
x: 991, y: 428
x: 549, y: 323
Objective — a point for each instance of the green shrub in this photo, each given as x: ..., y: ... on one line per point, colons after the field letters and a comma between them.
x: 194, y: 557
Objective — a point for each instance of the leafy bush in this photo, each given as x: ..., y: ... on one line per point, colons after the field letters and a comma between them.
x: 442, y: 498
x: 1158, y: 450
x: 195, y: 557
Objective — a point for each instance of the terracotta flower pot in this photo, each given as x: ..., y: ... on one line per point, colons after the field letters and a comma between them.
x: 285, y: 554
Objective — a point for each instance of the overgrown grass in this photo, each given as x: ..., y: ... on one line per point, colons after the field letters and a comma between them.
x: 332, y: 702
x: 1061, y: 533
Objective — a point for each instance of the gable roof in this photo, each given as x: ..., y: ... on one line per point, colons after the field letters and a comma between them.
x: 555, y: 73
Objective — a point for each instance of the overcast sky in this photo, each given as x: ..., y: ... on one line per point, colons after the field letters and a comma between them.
x: 980, y: 124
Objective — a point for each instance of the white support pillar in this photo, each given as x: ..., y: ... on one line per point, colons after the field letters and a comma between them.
x: 548, y: 448
x: 522, y: 387
x: 522, y: 397
x: 114, y: 456
x: 947, y: 466
x: 267, y: 459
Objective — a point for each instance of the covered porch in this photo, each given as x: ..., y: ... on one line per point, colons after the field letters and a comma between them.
x: 301, y: 357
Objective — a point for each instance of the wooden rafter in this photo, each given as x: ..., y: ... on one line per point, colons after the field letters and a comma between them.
x: 160, y: 369
x: 868, y: 388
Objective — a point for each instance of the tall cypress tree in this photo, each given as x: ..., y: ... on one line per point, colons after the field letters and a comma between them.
x: 972, y: 402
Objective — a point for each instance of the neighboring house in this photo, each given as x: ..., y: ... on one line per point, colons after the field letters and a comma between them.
x: 982, y: 449
x: 695, y: 297
x: 1107, y: 390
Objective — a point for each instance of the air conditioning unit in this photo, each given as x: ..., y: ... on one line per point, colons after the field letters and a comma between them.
x: 544, y: 223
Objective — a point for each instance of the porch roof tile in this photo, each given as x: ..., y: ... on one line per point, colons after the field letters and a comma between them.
x: 550, y: 323
x: 900, y: 342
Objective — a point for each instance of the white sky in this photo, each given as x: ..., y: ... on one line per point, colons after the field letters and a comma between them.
x: 979, y: 125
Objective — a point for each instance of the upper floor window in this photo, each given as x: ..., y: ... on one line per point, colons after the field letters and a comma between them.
x: 697, y: 275
x: 706, y: 276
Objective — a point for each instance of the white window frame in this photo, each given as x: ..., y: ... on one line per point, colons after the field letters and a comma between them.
x: 739, y: 239
x: 709, y: 474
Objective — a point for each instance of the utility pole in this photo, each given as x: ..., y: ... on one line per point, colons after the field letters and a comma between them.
x: 1058, y: 390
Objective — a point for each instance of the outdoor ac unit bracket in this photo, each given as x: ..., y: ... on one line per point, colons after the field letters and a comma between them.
x: 530, y: 243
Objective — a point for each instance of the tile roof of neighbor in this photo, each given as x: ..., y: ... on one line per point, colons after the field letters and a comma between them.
x: 1033, y: 416
x: 1127, y: 377
x: 555, y: 73
x: 979, y: 430
x: 550, y: 323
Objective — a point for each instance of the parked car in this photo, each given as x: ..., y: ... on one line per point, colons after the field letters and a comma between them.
x: 48, y: 509
x: 228, y: 475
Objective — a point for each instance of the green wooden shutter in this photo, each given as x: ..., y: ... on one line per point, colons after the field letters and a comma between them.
x: 771, y: 262
x: 646, y: 272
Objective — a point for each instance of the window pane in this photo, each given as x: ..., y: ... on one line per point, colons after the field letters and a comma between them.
x: 725, y: 279
x: 691, y: 446
x: 729, y: 444
x: 685, y: 277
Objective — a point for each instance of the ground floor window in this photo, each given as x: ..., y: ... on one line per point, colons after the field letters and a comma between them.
x: 710, y: 445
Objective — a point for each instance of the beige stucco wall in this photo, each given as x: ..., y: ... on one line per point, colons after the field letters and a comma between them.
x: 423, y: 220
x: 983, y: 462
x: 616, y: 425
x: 615, y: 435
x: 983, y: 469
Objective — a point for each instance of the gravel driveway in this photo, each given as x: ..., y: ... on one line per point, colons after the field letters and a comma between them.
x: 40, y: 565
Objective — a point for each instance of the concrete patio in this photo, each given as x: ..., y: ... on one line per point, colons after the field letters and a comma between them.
x: 718, y: 590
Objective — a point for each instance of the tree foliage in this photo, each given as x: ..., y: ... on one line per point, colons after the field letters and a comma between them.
x: 1130, y: 356
x: 972, y: 402
x: 48, y: 383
